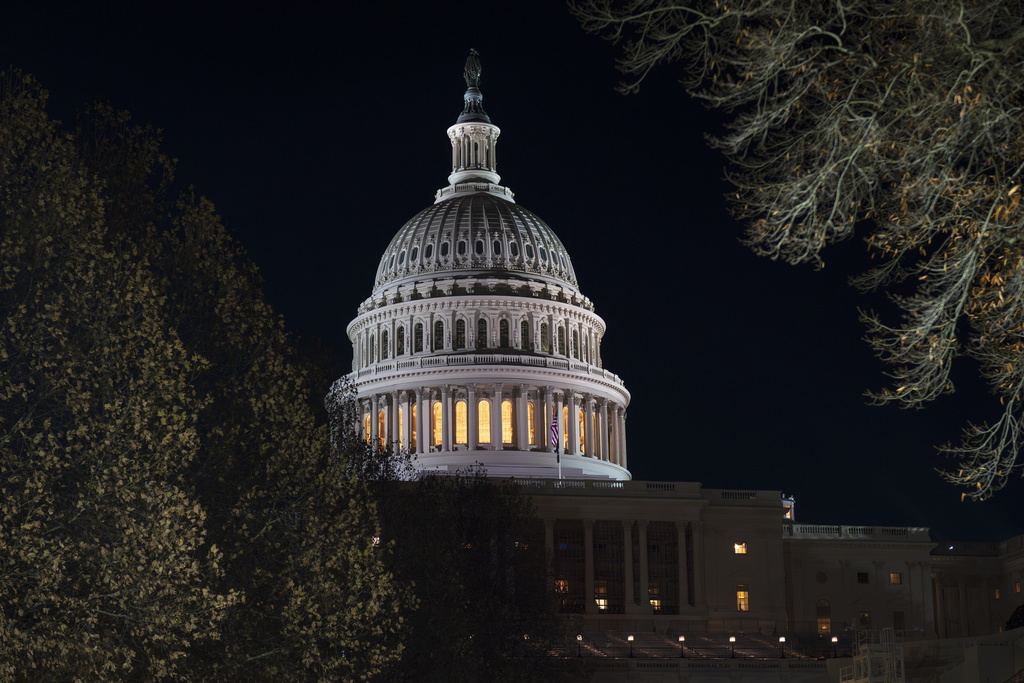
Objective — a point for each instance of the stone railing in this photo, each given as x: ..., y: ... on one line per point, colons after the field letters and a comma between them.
x: 855, y: 533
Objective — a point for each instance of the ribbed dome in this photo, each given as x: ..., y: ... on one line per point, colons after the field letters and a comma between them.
x: 474, y: 233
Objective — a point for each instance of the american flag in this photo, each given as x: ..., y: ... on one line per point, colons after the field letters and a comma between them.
x: 554, y: 439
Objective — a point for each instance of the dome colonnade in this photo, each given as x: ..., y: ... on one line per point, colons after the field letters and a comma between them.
x: 476, y: 336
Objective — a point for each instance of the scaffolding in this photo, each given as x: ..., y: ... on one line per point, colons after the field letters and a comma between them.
x: 878, y: 658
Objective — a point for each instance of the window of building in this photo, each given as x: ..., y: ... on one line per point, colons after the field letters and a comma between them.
x: 543, y: 254
x: 460, y: 248
x: 460, y: 334
x: 382, y: 428
x: 506, y: 421
x: 529, y: 251
x: 742, y: 597
x: 444, y: 249
x: 428, y: 251
x: 400, y: 341
x: 864, y: 620
x: 401, y: 427
x: 366, y: 428
x: 481, y: 333
x: 414, y: 253
x: 575, y: 344
x: 461, y: 426
x: 436, y: 413
x: 384, y: 344
x: 609, y: 568
x: 565, y: 427
x: 513, y: 249
x: 418, y: 338
x: 545, y: 338
x: 824, y: 617
x: 412, y: 439
x: 1016, y: 587
x: 484, y: 417
x: 739, y: 548
x: 895, y: 578
x: 899, y: 621
x: 503, y: 340
x: 480, y: 247
x: 524, y: 334
x: 862, y: 577
x: 568, y: 564
x: 497, y: 248
x: 561, y: 340
x: 997, y: 593
x: 531, y: 422
x: 581, y: 433
x: 663, y: 567
x: 438, y: 335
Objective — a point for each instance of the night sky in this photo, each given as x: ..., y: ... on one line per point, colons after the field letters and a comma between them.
x: 318, y: 130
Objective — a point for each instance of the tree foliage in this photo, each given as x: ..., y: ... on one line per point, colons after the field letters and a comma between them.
x: 901, y: 118
x: 169, y: 506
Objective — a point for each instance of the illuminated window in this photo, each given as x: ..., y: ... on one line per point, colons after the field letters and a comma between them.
x: 895, y: 578
x: 545, y: 339
x: 524, y: 333
x: 580, y: 433
x: 481, y: 333
x: 436, y: 410
x: 382, y: 428
x: 483, y: 408
x: 460, y: 334
x: 503, y: 341
x: 506, y: 421
x: 1016, y: 587
x: 864, y: 619
x: 531, y: 426
x: 461, y: 427
x: 561, y: 586
x: 418, y: 338
x: 997, y: 594
x: 561, y: 340
x: 564, y: 426
x: 366, y: 428
x: 742, y: 597
x: 862, y: 577
x: 575, y: 344
x: 739, y: 548
x: 384, y: 344
x: 400, y: 341
x: 412, y: 442
x: 401, y: 427
x: 438, y: 335
x: 653, y: 591
x: 824, y: 613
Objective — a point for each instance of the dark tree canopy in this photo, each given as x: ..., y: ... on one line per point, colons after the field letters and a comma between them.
x: 169, y: 506
x: 902, y: 121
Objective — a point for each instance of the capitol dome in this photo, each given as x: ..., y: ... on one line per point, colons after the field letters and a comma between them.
x: 476, y: 347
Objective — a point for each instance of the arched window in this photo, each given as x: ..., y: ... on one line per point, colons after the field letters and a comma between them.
x: 382, y: 428
x: 531, y: 422
x: 484, y: 420
x: 581, y: 435
x: 366, y: 428
x: 561, y: 340
x: 373, y: 357
x: 524, y: 334
x: 575, y: 344
x: 436, y: 410
x: 400, y: 341
x: 824, y: 614
x: 383, y: 344
x: 401, y: 427
x: 506, y: 421
x: 417, y: 338
x: 565, y: 427
x: 461, y: 426
x: 545, y: 339
x: 438, y: 335
x: 460, y: 334
x: 503, y: 341
x: 586, y: 350
x: 481, y: 333
x: 480, y: 247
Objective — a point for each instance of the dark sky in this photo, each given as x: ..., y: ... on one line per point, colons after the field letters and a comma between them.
x: 318, y: 129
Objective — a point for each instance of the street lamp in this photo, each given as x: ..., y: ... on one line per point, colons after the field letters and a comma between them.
x: 682, y: 644
x: 630, y: 639
x: 782, y: 646
x: 732, y: 646
x: 579, y: 645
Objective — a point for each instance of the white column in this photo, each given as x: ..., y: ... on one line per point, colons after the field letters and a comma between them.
x: 374, y: 423
x: 446, y: 419
x: 422, y: 437
x: 497, y: 442
x: 522, y: 435
x: 394, y: 425
x: 557, y: 417
x: 472, y: 418
x: 572, y: 423
x: 588, y: 425
x: 603, y: 430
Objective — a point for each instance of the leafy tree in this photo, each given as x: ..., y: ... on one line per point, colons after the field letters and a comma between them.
x: 902, y: 119
x: 169, y: 506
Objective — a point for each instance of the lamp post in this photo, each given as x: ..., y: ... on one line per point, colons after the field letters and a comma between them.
x: 782, y: 647
x: 579, y: 645
x: 732, y: 646
x: 630, y: 639
x: 682, y: 644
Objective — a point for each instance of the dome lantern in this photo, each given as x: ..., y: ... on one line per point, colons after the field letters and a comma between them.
x: 474, y: 141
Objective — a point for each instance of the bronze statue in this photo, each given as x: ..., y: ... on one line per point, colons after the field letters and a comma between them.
x: 472, y: 70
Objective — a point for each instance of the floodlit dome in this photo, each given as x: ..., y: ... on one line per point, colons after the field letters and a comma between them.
x: 476, y: 347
